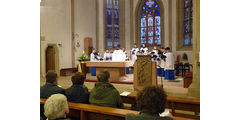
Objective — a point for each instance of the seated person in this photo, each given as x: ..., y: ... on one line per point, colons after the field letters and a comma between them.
x: 56, y: 107
x: 51, y: 86
x: 104, y: 93
x: 151, y: 102
x: 78, y: 93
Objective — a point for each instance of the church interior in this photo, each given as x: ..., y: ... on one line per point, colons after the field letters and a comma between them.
x: 69, y: 28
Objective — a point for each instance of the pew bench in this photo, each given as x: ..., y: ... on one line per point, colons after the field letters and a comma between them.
x: 92, y: 112
x: 173, y: 103
x: 63, y: 71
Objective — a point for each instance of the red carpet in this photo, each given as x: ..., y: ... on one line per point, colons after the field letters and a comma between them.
x: 118, y: 82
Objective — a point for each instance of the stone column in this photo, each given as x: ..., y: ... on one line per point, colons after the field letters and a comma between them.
x: 194, y: 89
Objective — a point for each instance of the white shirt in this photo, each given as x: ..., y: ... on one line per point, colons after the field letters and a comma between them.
x: 169, y: 61
x: 118, y: 55
x: 144, y: 49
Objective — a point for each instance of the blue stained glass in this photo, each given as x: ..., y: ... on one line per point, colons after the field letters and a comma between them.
x: 116, y: 32
x: 150, y: 21
x: 109, y: 41
x: 109, y: 32
x: 143, y: 8
x: 157, y: 13
x: 143, y: 32
x: 116, y: 44
x: 157, y: 30
x: 143, y: 22
x: 116, y: 4
x: 115, y: 13
x: 186, y: 39
x: 109, y: 3
x: 109, y: 17
x: 150, y: 40
x: 156, y: 6
x: 157, y: 20
x: 150, y: 3
x: 143, y: 40
x: 150, y: 31
x: 157, y: 40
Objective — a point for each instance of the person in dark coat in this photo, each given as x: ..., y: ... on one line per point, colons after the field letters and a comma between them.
x: 151, y: 102
x: 78, y: 93
x: 104, y: 93
x: 51, y: 86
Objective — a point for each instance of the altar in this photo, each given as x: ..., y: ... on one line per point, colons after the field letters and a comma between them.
x: 116, y: 69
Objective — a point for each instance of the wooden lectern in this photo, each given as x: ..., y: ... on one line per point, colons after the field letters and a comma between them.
x: 145, y: 72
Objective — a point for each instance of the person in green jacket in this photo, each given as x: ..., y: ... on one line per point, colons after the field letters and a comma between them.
x: 151, y: 102
x: 104, y: 93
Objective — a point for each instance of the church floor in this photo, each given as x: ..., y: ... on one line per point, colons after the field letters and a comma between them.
x: 173, y: 88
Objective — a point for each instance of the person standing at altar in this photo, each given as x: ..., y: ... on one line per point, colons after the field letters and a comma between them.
x: 126, y: 55
x: 169, y: 65
x: 134, y: 52
x: 93, y: 55
x: 106, y: 55
x: 144, y: 49
x: 118, y: 55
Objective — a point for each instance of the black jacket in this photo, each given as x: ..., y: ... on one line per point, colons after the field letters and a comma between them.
x: 77, y: 94
x: 49, y: 89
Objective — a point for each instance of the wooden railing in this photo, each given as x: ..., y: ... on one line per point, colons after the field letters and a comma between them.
x: 92, y: 112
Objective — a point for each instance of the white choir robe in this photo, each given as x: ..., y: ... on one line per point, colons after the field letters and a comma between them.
x: 144, y: 49
x: 106, y: 55
x: 118, y: 55
x: 92, y: 57
x: 134, y: 52
x: 169, y: 66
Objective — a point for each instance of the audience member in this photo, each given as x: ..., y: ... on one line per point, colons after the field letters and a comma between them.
x: 151, y: 102
x: 51, y: 86
x: 104, y: 93
x: 56, y: 107
x: 78, y: 93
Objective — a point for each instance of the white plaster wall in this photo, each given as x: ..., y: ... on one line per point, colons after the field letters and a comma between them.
x: 84, y: 24
x: 55, y: 27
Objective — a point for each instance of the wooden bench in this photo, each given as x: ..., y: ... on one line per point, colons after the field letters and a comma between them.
x: 173, y: 103
x: 92, y: 112
x: 64, y: 70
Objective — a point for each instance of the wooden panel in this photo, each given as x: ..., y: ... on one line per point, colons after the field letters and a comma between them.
x: 88, y: 45
x: 144, y: 73
x: 50, y: 59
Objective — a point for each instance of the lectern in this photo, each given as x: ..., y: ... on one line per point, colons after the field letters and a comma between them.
x: 145, y: 72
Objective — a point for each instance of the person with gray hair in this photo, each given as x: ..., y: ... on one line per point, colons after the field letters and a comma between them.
x: 56, y: 107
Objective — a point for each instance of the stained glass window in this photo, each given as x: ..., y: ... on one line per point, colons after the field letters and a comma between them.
x: 112, y: 23
x: 150, y: 23
x: 188, y: 22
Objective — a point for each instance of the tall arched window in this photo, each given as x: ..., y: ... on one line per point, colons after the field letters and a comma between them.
x: 112, y: 23
x: 150, y: 23
x: 188, y: 34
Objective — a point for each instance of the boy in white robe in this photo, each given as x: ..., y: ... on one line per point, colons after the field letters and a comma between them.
x: 106, y: 55
x: 144, y: 49
x: 169, y: 65
x: 134, y: 52
x: 93, y: 55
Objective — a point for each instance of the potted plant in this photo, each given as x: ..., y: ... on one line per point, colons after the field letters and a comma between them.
x: 82, y: 63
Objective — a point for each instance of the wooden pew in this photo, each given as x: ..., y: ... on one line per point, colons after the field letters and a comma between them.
x: 173, y: 103
x: 64, y: 70
x: 92, y: 112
